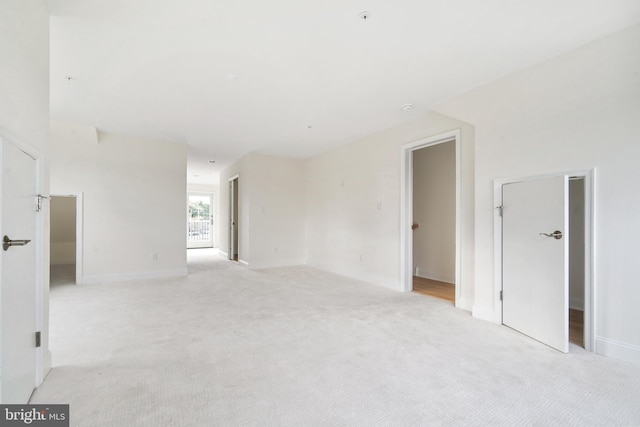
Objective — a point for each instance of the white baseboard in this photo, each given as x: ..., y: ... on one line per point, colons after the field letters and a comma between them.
x: 243, y: 262
x: 464, y: 304
x: 618, y: 350
x: 483, y: 313
x: 576, y: 304
x: 125, y: 277
x: 225, y: 254
x: 434, y: 276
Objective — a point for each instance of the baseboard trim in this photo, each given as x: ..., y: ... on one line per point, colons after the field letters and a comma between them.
x: 464, y: 304
x: 483, y: 313
x: 226, y: 254
x: 576, y: 304
x: 243, y: 262
x: 618, y: 350
x: 126, y: 277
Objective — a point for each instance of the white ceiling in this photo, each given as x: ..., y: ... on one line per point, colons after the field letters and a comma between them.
x: 308, y: 76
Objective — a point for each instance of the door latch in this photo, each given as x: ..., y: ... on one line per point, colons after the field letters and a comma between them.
x: 556, y: 234
x: 7, y: 242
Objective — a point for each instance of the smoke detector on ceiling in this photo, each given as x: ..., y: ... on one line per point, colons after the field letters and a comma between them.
x: 408, y: 107
x: 365, y: 15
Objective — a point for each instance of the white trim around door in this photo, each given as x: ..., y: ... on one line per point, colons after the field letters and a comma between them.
x: 406, y: 208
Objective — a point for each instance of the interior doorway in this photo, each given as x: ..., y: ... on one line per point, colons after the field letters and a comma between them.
x: 409, y: 261
x: 544, y: 258
x: 200, y: 227
x: 577, y: 282
x: 233, y: 218
x: 434, y: 220
x: 65, y: 217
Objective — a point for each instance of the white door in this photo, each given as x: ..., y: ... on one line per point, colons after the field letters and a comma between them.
x: 18, y: 292
x: 535, y: 248
x: 199, y: 221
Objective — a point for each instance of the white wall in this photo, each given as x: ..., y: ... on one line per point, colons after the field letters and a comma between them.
x: 434, y: 210
x: 63, y: 230
x: 578, y: 111
x: 24, y: 116
x: 134, y: 194
x: 353, y: 205
x: 271, y: 210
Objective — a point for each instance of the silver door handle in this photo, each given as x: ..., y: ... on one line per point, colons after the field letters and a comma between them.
x: 556, y: 234
x: 7, y: 242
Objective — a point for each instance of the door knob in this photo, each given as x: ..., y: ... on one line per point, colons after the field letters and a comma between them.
x: 7, y: 242
x: 556, y: 234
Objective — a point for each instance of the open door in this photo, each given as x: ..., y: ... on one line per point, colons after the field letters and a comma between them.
x: 535, y: 259
x: 233, y: 219
x: 18, y: 290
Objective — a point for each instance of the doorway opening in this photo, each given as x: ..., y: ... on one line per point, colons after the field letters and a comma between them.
x: 233, y: 218
x: 434, y: 220
x: 576, y: 260
x: 65, y: 240
x: 544, y: 257
x: 414, y: 225
x: 200, y: 225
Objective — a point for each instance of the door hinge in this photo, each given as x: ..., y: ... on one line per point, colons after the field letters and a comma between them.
x: 500, y: 210
x: 37, y: 339
x: 500, y: 295
x: 40, y: 199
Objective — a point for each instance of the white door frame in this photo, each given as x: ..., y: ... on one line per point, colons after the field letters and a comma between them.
x: 40, y: 255
x: 79, y: 230
x: 589, y: 176
x: 406, y: 208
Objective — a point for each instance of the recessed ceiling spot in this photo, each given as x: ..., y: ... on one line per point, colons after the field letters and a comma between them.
x: 365, y: 15
x: 308, y: 126
x: 212, y: 161
x: 68, y: 78
x: 232, y: 76
x: 407, y: 107
x: 196, y: 176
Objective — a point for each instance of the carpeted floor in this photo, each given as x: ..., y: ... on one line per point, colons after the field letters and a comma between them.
x: 227, y: 346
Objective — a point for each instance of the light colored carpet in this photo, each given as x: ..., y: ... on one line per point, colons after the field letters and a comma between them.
x: 296, y: 346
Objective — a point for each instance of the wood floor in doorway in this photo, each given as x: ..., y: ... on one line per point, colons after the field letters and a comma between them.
x: 434, y: 288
